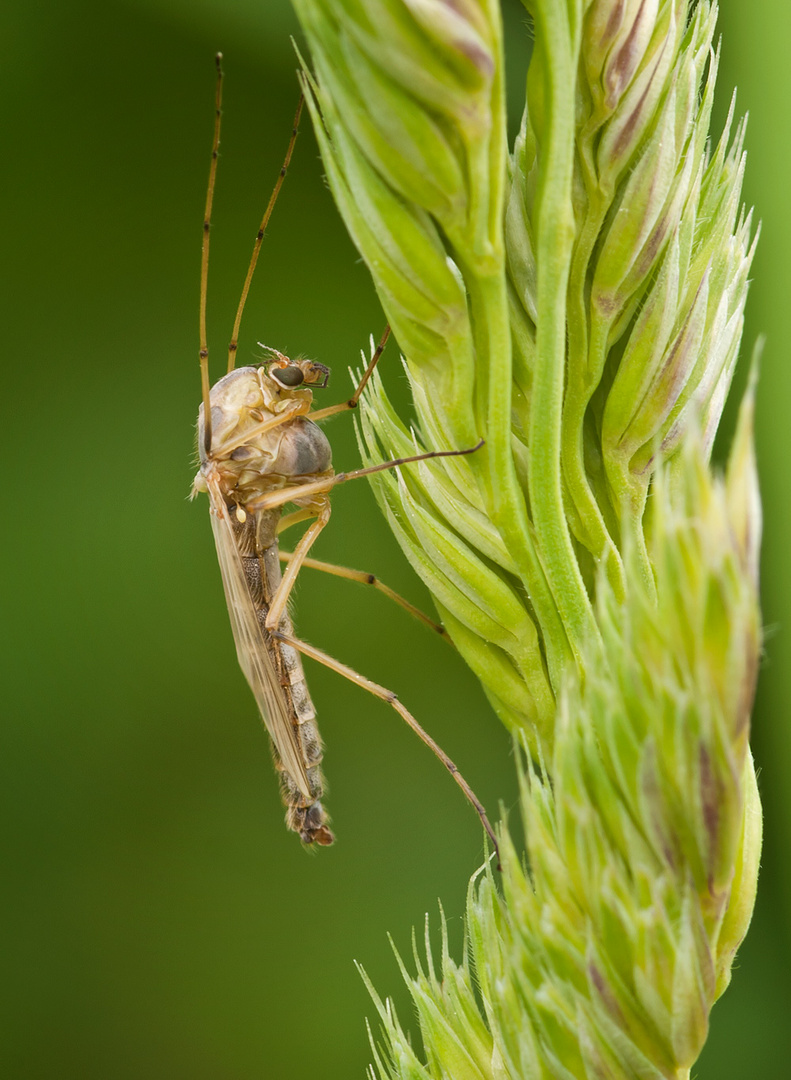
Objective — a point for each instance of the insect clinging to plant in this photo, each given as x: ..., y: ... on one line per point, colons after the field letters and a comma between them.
x: 260, y: 448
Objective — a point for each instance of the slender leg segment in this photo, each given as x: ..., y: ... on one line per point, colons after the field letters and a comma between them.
x: 405, y: 714
x: 320, y: 487
x: 359, y: 576
x: 331, y: 410
x: 288, y: 520
x: 269, y: 423
x: 232, y: 346
x: 204, y: 268
x: 371, y: 579
x: 278, y: 603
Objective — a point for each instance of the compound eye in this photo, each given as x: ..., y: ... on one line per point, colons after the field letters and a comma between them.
x: 288, y: 376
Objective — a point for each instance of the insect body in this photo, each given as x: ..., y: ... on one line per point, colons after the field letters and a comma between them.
x: 259, y: 449
x: 247, y: 459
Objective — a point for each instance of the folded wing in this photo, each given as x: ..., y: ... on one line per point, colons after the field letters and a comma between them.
x: 251, y: 646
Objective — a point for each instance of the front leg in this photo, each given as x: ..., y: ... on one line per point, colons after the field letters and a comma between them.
x: 272, y: 499
x: 321, y: 508
x: 294, y: 408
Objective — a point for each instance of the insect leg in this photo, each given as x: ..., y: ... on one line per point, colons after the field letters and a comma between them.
x: 294, y: 519
x: 404, y: 713
x: 204, y: 266
x: 353, y: 575
x: 293, y: 409
x: 317, y: 487
x: 371, y: 579
x: 260, y: 236
x: 331, y: 410
x: 277, y: 605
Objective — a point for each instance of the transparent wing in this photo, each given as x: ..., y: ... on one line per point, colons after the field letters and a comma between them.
x: 251, y: 647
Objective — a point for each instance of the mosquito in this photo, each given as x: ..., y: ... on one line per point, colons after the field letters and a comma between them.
x: 260, y: 448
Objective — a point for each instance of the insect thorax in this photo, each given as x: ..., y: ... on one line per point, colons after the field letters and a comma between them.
x: 248, y: 460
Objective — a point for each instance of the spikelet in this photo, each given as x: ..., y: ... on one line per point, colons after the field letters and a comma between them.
x: 578, y: 303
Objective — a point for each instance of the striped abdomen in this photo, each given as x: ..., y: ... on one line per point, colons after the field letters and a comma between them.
x: 256, y: 539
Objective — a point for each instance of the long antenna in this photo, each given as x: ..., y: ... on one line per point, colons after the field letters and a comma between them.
x: 260, y: 237
x: 204, y: 266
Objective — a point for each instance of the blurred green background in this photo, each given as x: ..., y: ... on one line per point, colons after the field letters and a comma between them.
x: 157, y: 919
